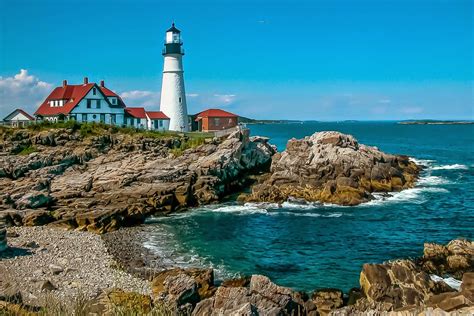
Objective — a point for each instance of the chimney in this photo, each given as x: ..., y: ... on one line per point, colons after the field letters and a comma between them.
x: 102, y: 83
x: 64, y: 83
x: 86, y: 80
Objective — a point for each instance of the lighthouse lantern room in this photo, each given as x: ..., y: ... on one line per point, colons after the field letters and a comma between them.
x: 173, y: 95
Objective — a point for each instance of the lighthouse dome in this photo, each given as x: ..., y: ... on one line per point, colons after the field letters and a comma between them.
x: 173, y: 29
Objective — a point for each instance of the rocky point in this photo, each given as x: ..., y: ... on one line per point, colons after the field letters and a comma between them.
x: 332, y: 167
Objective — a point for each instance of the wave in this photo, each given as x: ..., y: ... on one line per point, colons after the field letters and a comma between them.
x: 430, y: 180
x: 413, y: 195
x: 422, y: 162
x: 450, y: 167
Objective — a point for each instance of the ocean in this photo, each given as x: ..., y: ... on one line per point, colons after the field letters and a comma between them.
x: 311, y: 246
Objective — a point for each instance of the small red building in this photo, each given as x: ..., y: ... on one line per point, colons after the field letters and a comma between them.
x: 215, y: 120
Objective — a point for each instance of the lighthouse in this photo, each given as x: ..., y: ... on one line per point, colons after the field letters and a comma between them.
x: 173, y: 96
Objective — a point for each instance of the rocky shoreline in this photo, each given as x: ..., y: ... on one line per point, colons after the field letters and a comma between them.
x: 116, y: 267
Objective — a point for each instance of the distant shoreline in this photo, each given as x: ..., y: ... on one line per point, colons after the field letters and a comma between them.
x: 436, y: 122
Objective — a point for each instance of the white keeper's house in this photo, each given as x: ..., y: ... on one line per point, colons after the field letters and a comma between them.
x: 89, y: 102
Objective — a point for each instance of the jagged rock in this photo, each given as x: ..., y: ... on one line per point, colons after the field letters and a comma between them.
x: 456, y: 258
x: 179, y: 290
x: 326, y: 300
x: 204, y: 279
x: 397, y: 284
x: 335, y: 168
x: 55, y: 269
x: 103, y: 182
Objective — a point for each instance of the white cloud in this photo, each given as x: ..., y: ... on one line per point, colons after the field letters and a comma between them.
x: 225, y: 98
x: 141, y: 98
x: 22, y: 91
x: 411, y: 110
x: 385, y: 101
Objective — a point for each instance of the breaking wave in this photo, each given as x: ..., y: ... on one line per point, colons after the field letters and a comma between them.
x: 450, y: 167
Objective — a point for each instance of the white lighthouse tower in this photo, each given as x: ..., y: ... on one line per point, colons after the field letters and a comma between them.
x: 173, y: 96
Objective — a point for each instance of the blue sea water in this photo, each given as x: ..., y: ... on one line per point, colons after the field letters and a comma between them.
x: 312, y: 246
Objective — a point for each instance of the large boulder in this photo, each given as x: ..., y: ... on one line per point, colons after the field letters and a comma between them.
x: 456, y: 258
x: 333, y: 167
x: 398, y: 284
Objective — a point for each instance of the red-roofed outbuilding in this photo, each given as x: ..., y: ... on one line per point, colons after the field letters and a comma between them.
x: 215, y: 120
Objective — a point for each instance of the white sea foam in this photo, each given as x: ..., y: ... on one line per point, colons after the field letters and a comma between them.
x: 241, y: 209
x: 413, y: 195
x: 422, y: 162
x: 430, y: 180
x: 450, y: 167
x: 452, y: 282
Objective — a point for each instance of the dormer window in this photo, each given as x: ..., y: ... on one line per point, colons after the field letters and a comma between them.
x: 94, y: 91
x: 114, y: 101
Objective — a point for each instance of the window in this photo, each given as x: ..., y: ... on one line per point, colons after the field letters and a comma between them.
x: 94, y: 91
x: 155, y: 123
x: 94, y: 116
x: 97, y: 104
x: 89, y: 103
x: 84, y: 117
x: 132, y: 121
x: 161, y: 123
x: 112, y: 118
x: 114, y: 101
x: 102, y: 118
x: 179, y: 99
x: 217, y: 121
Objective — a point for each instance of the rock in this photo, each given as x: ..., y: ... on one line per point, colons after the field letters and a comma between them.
x: 327, y: 300
x: 55, y: 269
x: 204, y: 279
x: 450, y: 301
x: 47, y: 286
x: 179, y: 290
x: 241, y: 282
x: 102, y: 183
x: 399, y: 283
x: 37, y: 218
x: 334, y: 168
x: 467, y: 285
x: 31, y: 244
x: 455, y: 258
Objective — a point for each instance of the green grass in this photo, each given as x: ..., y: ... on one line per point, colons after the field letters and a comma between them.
x: 27, y: 150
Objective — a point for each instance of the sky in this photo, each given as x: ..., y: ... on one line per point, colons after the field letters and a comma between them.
x: 303, y: 60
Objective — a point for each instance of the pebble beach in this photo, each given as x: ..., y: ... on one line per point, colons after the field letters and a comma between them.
x: 43, y: 261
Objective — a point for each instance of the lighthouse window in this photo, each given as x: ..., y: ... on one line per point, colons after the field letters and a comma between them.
x: 179, y: 99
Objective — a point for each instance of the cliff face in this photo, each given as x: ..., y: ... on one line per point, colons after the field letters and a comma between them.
x: 100, y: 183
x: 333, y: 167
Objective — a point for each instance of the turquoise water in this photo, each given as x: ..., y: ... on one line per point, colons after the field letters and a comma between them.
x: 313, y: 246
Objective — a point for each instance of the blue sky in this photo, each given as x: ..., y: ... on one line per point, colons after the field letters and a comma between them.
x: 320, y: 60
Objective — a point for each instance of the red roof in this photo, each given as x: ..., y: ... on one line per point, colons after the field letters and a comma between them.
x: 136, y: 112
x: 18, y: 111
x: 215, y: 113
x: 73, y: 94
x: 157, y: 115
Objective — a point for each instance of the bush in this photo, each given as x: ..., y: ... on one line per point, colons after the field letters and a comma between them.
x: 28, y: 150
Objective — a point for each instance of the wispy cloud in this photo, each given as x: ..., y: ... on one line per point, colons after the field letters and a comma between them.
x: 385, y: 101
x: 141, y: 98
x: 225, y: 98
x: 22, y: 91
x: 411, y: 110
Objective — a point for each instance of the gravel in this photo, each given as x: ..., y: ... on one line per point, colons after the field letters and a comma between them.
x: 75, y: 263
